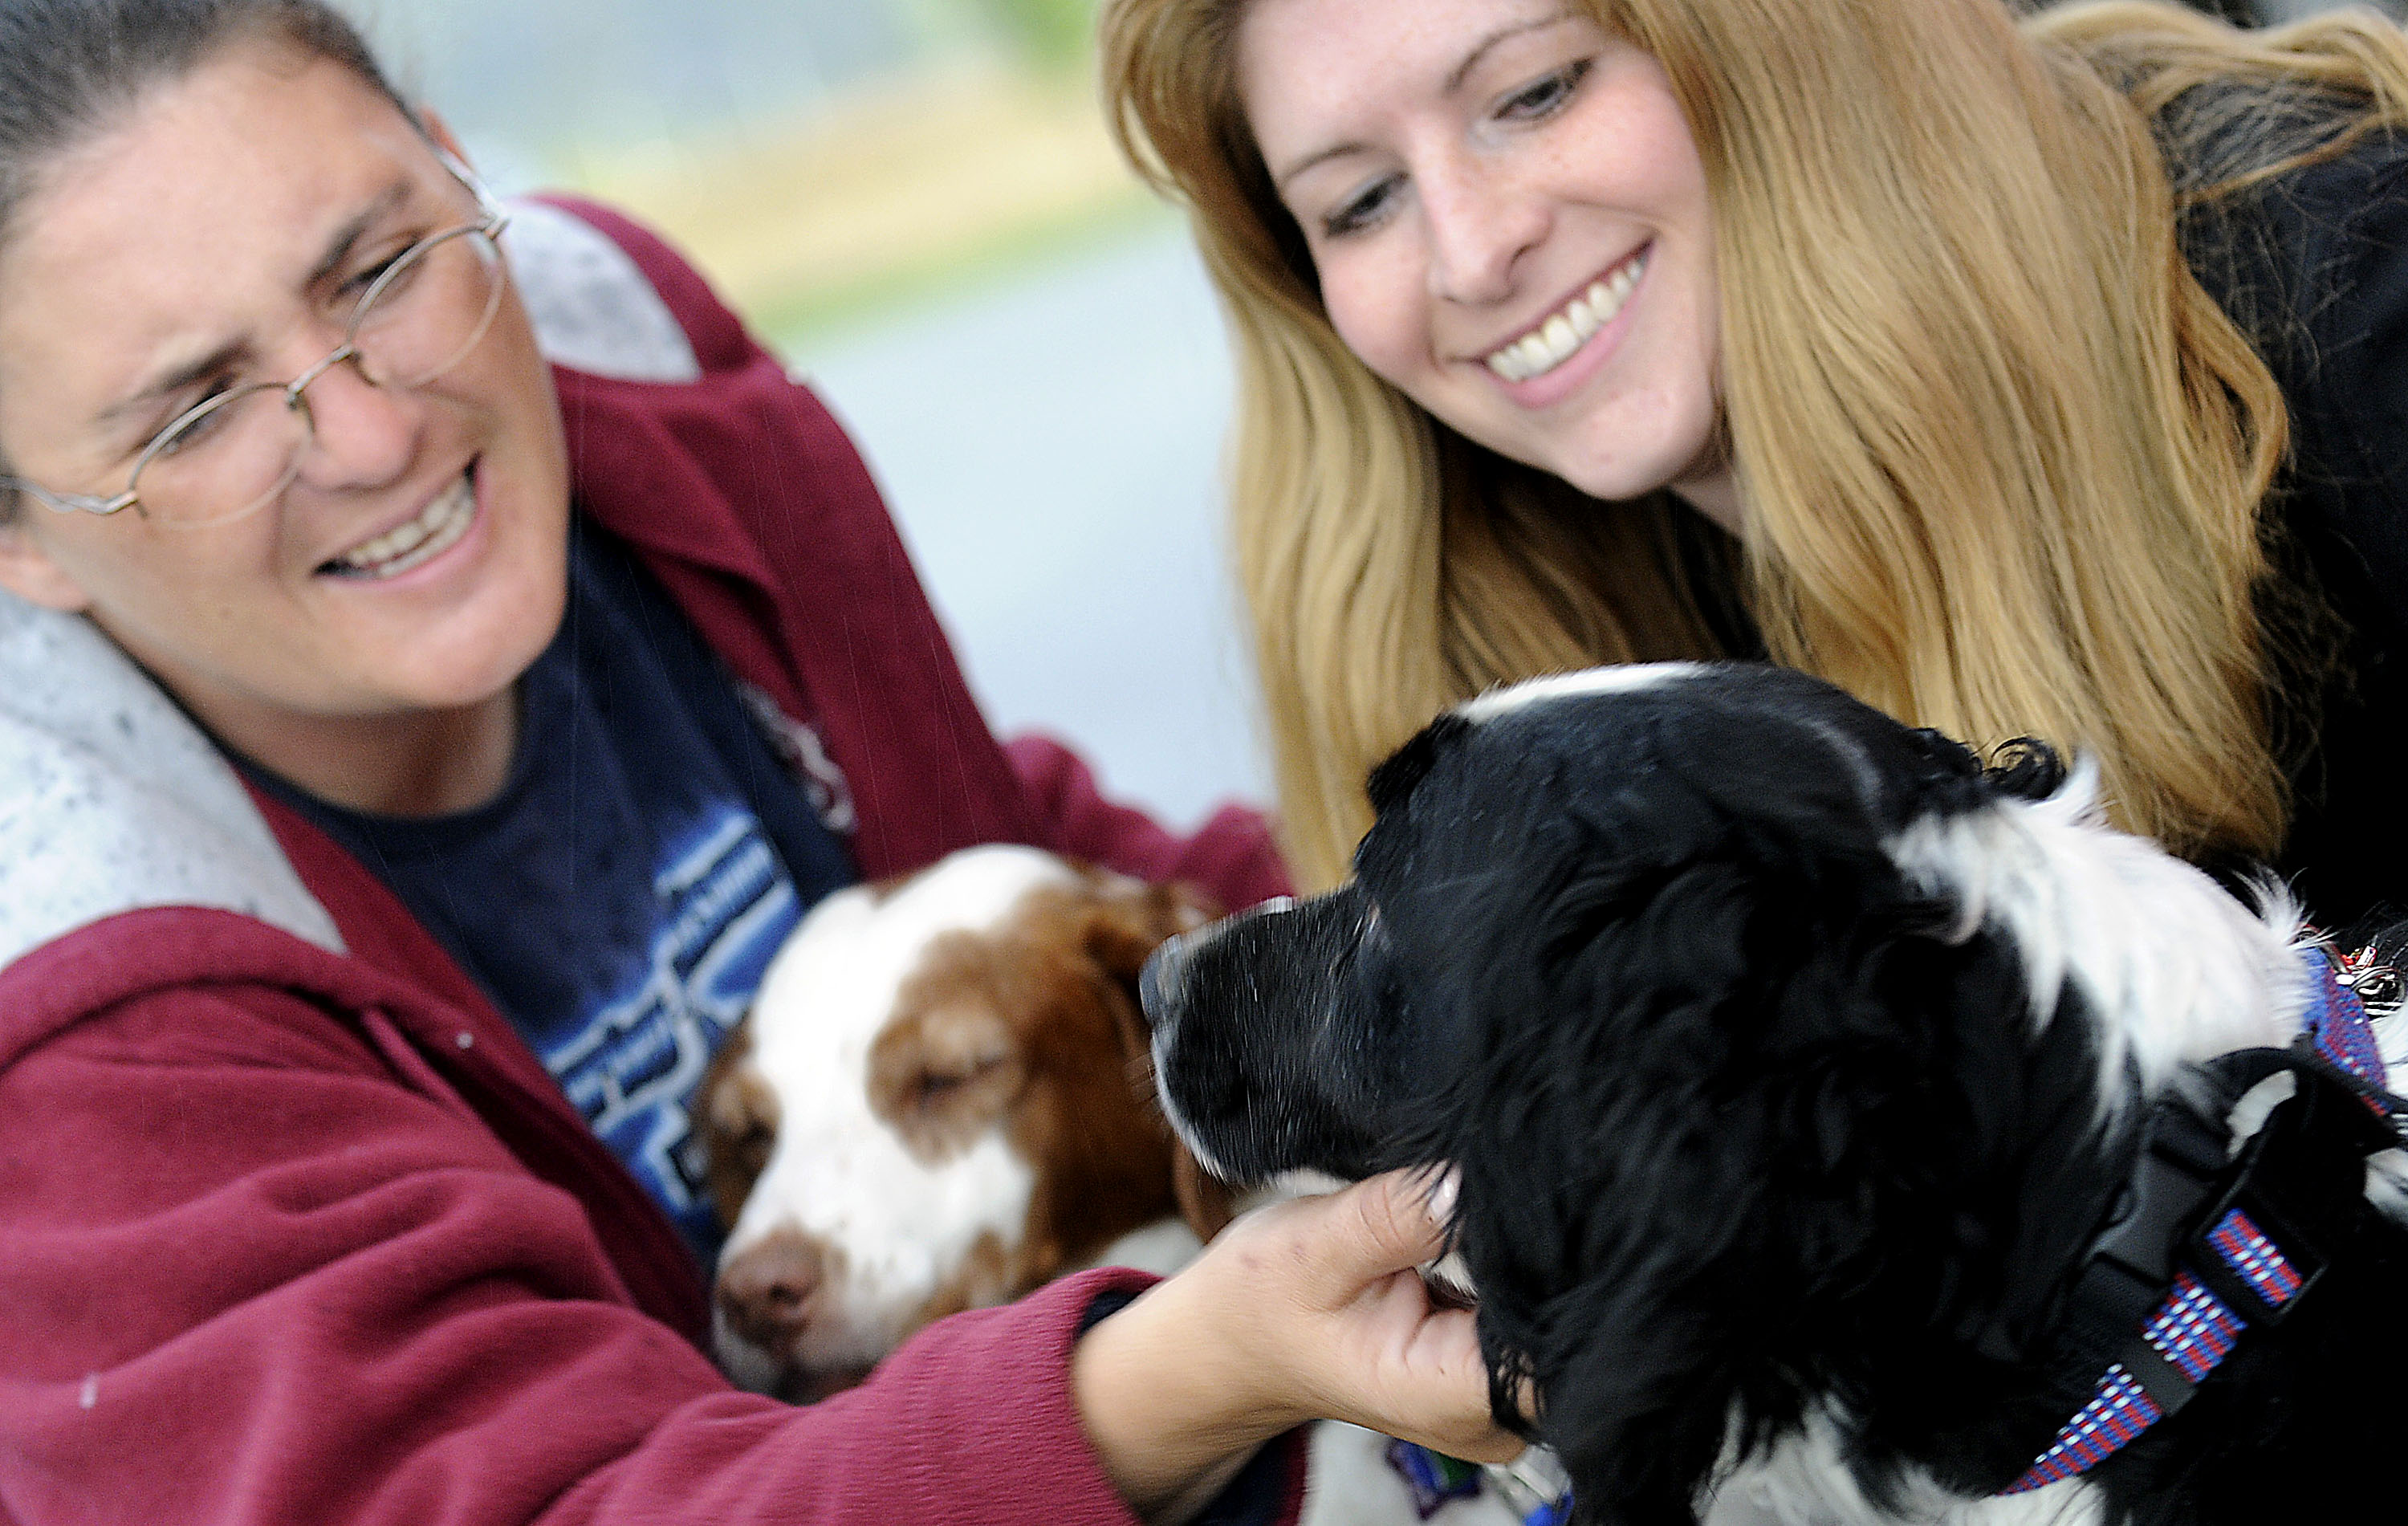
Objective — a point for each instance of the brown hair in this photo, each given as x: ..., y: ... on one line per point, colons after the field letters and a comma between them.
x: 69, y: 68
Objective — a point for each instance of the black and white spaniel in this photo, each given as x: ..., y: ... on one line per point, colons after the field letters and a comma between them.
x: 1837, y: 1120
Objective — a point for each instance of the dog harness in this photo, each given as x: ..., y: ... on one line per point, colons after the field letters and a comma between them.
x: 2247, y: 1260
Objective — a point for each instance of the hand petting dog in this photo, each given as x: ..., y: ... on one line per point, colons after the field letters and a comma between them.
x: 1322, y: 1314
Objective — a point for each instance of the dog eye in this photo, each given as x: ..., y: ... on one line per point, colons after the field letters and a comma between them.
x: 751, y: 1149
x: 933, y: 1087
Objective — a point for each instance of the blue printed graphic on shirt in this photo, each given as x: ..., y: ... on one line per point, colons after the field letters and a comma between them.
x: 631, y: 1068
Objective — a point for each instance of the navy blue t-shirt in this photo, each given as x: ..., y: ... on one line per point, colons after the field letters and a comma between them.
x: 621, y: 896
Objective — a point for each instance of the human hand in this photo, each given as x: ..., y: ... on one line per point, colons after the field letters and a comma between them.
x: 1303, y: 1310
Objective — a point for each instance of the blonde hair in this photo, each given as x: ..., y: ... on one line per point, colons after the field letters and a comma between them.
x: 2003, y: 453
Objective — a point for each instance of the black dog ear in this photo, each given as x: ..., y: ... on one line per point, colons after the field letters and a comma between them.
x: 1617, y: 1283
x: 1735, y: 1068
x: 1394, y: 779
x: 1638, y: 1441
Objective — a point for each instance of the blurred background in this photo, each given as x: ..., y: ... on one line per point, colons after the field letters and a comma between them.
x: 916, y: 202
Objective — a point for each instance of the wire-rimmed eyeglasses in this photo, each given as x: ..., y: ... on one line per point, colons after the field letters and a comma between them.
x: 234, y: 454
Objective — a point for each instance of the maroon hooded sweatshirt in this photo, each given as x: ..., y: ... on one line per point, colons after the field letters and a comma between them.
x: 296, y: 1231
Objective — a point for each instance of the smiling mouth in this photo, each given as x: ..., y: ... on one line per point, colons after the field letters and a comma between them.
x: 1572, y: 327
x: 436, y: 529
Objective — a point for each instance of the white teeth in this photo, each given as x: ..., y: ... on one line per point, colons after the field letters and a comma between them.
x: 436, y: 530
x: 1561, y: 336
x: 1583, y: 318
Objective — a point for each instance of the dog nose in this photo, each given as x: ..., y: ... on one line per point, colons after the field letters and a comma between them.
x: 765, y: 1291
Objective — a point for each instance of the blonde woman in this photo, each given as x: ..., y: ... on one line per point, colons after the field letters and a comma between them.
x: 2044, y: 376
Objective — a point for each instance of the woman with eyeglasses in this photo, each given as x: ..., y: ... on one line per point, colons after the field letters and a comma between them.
x: 2035, y: 375
x: 440, y: 656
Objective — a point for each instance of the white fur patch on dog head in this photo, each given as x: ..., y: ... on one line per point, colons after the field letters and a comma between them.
x: 1626, y: 678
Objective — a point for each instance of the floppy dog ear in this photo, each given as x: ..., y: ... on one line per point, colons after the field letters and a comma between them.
x: 1633, y: 1355
x: 1131, y: 919
x: 1729, y: 1047
x: 1607, y: 1282
x: 1638, y: 1438
x: 736, y: 1115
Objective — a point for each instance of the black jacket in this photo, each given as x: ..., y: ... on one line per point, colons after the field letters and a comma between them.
x: 2314, y: 269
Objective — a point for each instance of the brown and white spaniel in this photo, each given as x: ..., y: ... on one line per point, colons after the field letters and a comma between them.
x: 941, y: 1100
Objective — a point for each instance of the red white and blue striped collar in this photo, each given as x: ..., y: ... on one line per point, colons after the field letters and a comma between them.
x: 2234, y: 1267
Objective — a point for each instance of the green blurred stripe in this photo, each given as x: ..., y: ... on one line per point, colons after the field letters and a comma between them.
x: 808, y: 319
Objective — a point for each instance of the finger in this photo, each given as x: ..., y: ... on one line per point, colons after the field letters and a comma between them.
x: 1437, y: 1393
x: 1388, y: 1223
